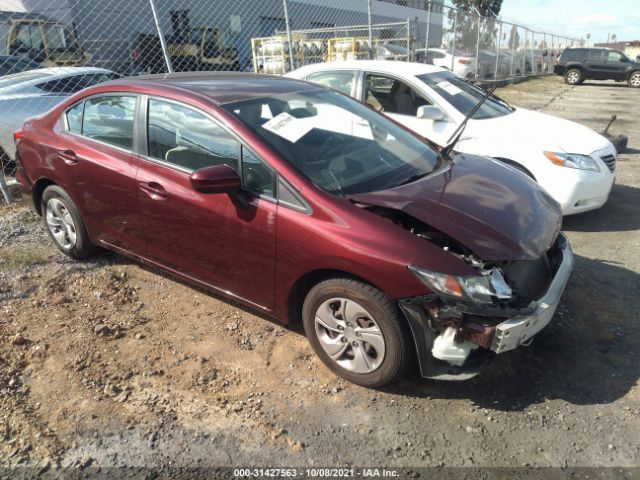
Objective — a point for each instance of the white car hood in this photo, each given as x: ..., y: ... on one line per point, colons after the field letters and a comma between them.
x: 524, y: 129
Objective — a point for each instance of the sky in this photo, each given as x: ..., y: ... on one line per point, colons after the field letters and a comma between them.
x: 576, y: 18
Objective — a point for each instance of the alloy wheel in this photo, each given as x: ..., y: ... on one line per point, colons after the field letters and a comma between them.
x: 60, y: 223
x: 349, y: 335
x: 635, y: 80
x: 573, y: 77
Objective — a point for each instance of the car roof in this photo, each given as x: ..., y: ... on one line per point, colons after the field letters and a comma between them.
x: 220, y: 87
x: 46, y: 74
x: 56, y: 71
x: 397, y: 67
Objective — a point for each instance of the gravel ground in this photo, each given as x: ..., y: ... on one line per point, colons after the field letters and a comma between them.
x: 106, y: 364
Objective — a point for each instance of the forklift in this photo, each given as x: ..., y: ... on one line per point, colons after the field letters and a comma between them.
x: 46, y: 42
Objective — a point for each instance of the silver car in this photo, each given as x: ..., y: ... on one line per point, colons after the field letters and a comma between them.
x: 27, y: 94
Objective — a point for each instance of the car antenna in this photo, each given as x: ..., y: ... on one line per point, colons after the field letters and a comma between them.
x: 453, y: 139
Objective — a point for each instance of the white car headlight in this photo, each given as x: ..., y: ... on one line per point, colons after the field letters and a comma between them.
x: 477, y: 288
x: 573, y: 160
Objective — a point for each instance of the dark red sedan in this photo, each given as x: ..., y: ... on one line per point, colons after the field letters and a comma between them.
x: 306, y: 205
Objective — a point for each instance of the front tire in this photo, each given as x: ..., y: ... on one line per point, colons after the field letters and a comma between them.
x: 64, y: 224
x: 634, y: 80
x: 357, y: 331
x: 573, y: 77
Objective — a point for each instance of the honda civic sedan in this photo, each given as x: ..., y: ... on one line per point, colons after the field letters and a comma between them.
x: 308, y: 206
x: 574, y: 164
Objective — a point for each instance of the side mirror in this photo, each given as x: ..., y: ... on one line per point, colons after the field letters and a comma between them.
x: 216, y: 179
x: 430, y: 112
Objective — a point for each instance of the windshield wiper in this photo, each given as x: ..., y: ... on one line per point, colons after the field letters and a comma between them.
x: 446, y: 151
x: 413, y: 178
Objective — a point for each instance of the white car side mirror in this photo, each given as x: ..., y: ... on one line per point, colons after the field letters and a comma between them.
x: 430, y: 112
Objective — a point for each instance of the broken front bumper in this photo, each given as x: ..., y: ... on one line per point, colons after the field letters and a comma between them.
x: 516, y: 331
x: 510, y: 327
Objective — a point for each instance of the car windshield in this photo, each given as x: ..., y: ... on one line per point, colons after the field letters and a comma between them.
x: 339, y: 144
x: 464, y: 95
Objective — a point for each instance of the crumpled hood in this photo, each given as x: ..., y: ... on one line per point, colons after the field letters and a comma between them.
x: 538, y: 131
x: 495, y: 211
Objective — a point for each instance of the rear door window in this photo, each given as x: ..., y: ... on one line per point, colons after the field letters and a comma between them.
x: 340, y: 80
x: 594, y: 55
x: 110, y: 119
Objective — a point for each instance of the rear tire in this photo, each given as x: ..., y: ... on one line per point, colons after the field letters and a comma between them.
x: 64, y: 224
x: 573, y: 77
x: 634, y: 80
x: 357, y: 331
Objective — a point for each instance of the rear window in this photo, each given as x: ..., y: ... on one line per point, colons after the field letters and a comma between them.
x: 75, y: 83
x: 16, y: 78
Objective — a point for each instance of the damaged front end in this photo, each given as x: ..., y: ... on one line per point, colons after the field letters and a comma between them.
x: 468, y: 319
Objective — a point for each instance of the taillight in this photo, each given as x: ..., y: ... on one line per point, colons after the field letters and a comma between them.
x: 464, y: 61
x: 135, y: 54
x: 17, y: 135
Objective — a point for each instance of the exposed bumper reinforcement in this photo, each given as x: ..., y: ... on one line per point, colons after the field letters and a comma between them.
x: 517, y: 331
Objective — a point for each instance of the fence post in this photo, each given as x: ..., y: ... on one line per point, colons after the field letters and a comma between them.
x: 533, y: 53
x: 478, y: 45
x: 512, y: 49
x: 409, y: 36
x: 370, y: 20
x: 286, y: 19
x: 163, y: 45
x: 5, y: 189
x: 495, y: 76
x: 453, y: 44
x: 427, y: 31
x: 545, y: 58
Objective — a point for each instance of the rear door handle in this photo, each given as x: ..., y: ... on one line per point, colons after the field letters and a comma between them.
x: 154, y: 190
x: 69, y: 157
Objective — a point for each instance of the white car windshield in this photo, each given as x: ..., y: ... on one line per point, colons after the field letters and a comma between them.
x: 339, y: 144
x: 464, y: 96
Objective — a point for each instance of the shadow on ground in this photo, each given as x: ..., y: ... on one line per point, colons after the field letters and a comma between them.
x: 583, y: 357
x: 619, y: 214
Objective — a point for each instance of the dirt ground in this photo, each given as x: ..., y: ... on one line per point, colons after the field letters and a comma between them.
x: 105, y: 363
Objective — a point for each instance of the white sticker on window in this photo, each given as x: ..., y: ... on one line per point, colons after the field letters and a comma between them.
x: 450, y: 88
x: 288, y: 127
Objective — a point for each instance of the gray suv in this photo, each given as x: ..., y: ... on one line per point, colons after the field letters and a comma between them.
x: 580, y: 64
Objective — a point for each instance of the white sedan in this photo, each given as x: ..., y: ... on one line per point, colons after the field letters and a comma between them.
x: 572, y: 162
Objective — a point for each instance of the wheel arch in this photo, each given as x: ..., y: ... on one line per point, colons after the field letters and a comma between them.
x: 38, y: 189
x: 307, y: 281
x: 637, y: 70
x: 574, y: 66
x: 517, y: 166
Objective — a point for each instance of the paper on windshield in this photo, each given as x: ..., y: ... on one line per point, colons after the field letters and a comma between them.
x: 450, y: 88
x: 288, y: 127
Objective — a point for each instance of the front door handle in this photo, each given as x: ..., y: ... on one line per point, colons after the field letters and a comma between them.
x: 69, y: 157
x: 154, y: 190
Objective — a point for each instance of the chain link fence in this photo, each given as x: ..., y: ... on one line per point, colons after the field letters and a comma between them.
x: 50, y: 49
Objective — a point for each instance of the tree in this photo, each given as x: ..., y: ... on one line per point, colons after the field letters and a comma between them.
x: 487, y: 8
x: 467, y: 23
